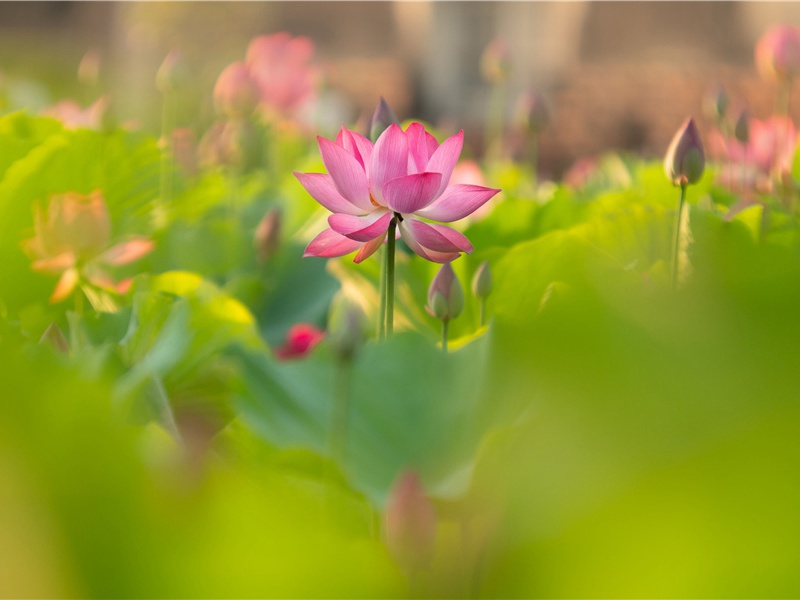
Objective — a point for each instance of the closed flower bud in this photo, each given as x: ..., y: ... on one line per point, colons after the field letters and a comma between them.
x: 347, y: 326
x: 531, y: 113
x: 715, y: 104
x: 445, y: 295
x: 495, y: 62
x: 685, y: 160
x: 482, y: 281
x: 383, y: 117
x: 778, y: 53
x: 268, y: 234
x: 741, y: 130
x: 409, y: 523
x: 89, y: 68
x: 172, y: 73
x: 236, y: 93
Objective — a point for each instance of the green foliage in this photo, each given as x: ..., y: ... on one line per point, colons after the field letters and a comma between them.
x: 603, y: 435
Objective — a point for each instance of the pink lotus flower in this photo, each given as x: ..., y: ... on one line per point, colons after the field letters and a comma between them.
x: 236, y: 93
x: 770, y: 148
x: 405, y: 175
x: 300, y: 340
x: 71, y: 240
x: 73, y: 116
x: 778, y: 53
x: 281, y: 66
x: 410, y: 522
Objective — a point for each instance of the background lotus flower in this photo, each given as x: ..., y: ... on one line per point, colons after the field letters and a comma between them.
x: 73, y: 116
x: 770, y: 148
x: 405, y: 175
x: 71, y: 239
x: 778, y: 53
x: 281, y: 66
x: 410, y: 522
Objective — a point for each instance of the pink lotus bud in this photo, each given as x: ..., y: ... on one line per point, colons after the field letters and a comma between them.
x: 300, y: 340
x: 445, y: 295
x: 531, y: 113
x: 741, y: 129
x: 482, y: 281
x: 685, y: 160
x: 778, y: 53
x: 172, y: 73
x: 383, y: 117
x: 236, y: 93
x: 268, y: 234
x: 409, y: 523
x: 495, y: 62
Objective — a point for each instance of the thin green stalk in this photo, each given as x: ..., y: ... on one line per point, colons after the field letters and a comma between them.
x: 390, y: 248
x: 676, y: 246
x: 382, y: 309
x: 533, y: 156
x: 482, y: 304
x: 445, y: 331
x: 165, y: 181
x: 341, y: 397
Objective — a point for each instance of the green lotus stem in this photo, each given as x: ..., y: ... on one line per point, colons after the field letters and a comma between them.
x: 445, y: 331
x: 165, y: 181
x: 390, y: 249
x: 676, y: 246
x: 382, y: 309
x: 533, y: 157
x: 341, y: 396
x: 482, y: 305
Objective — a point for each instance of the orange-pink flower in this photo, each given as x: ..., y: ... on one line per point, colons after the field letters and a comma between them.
x: 71, y: 239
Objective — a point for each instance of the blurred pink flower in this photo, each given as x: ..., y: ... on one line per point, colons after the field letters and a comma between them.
x: 300, y: 340
x: 778, y: 53
x: 770, y: 149
x: 236, y: 93
x: 281, y: 65
x: 71, y: 239
x: 406, y: 174
x: 73, y: 116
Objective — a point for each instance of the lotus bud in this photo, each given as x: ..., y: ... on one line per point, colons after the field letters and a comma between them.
x: 89, y: 68
x: 741, y: 130
x: 716, y: 103
x: 531, y: 113
x: 300, y: 340
x: 778, y: 53
x: 383, y: 117
x: 482, y: 281
x: 172, y: 74
x: 495, y: 62
x: 347, y: 326
x: 685, y: 160
x: 409, y: 523
x: 268, y: 234
x: 236, y: 93
x: 445, y: 295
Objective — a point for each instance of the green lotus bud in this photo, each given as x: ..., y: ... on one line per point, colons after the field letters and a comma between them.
x: 383, y: 117
x: 715, y: 104
x: 347, y: 326
x: 172, y: 73
x: 496, y: 62
x: 445, y: 295
x: 685, y: 160
x: 482, y: 281
x: 89, y: 68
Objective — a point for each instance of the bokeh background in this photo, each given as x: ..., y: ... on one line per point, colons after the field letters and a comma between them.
x: 616, y: 75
